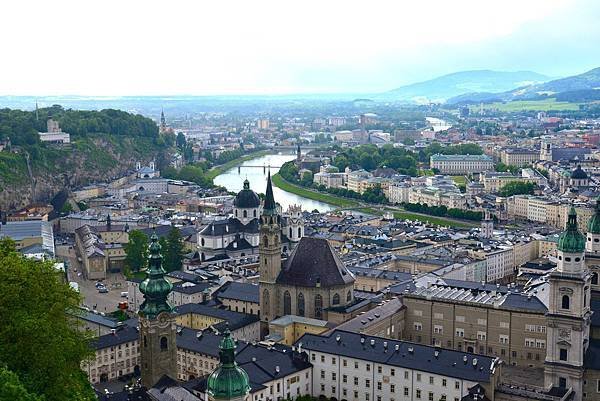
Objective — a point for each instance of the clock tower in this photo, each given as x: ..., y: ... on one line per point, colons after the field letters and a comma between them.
x: 158, y: 349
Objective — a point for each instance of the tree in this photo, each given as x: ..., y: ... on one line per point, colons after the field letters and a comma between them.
x: 136, y: 251
x: 11, y: 388
x: 173, y: 250
x: 41, y: 341
x: 180, y: 140
x: 517, y: 188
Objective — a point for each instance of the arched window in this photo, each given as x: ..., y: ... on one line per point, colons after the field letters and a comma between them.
x: 236, y: 215
x: 566, y: 302
x: 336, y: 299
x: 245, y: 213
x: 287, y: 303
x: 201, y: 241
x: 349, y: 296
x: 264, y: 306
x: 299, y: 232
x: 300, y: 304
x: 318, y: 307
x: 164, y: 344
x: 595, y: 278
x: 265, y: 241
x: 290, y: 232
x: 254, y: 212
x: 585, y: 291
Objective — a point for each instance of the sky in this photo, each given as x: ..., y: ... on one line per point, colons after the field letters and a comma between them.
x: 191, y: 47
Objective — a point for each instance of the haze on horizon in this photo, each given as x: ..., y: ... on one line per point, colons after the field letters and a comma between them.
x: 135, y: 47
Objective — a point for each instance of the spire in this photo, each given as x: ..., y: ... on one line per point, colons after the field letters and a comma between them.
x: 269, y: 206
x: 163, y: 122
x: 108, y: 222
x: 155, y: 287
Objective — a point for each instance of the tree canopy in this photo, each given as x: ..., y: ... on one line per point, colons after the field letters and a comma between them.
x: 42, y: 348
x: 136, y: 251
x: 517, y: 188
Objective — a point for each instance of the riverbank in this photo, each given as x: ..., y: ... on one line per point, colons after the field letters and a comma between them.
x: 404, y: 215
x: 284, y: 185
x: 220, y: 169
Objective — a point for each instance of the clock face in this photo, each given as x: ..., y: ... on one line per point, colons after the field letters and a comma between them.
x: 163, y: 318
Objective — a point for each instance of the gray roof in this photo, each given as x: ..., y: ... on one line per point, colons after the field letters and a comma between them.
x: 246, y: 292
x: 236, y: 320
x: 19, y: 230
x: 122, y: 335
x: 450, y: 363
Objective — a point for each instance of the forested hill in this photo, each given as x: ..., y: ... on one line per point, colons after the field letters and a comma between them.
x: 104, y: 144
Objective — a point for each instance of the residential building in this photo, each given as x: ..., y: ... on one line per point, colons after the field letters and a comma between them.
x: 461, y: 164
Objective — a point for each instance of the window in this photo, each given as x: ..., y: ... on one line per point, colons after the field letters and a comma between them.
x: 333, y: 376
x: 460, y: 318
x: 379, y: 370
x: 336, y: 299
x: 287, y: 303
x: 393, y: 372
x: 438, y: 329
x: 355, y: 365
x: 406, y: 375
x: 595, y: 278
x: 300, y: 304
x: 503, y: 339
x: 444, y: 382
x: 457, y: 385
x: 164, y: 344
x: 356, y: 381
x: 430, y: 398
x: 322, y: 358
x: 418, y: 312
x: 265, y: 301
x: 367, y: 383
x: 406, y: 391
x: 438, y: 315
x: 418, y: 327
x: 418, y: 377
x: 322, y: 374
x: 378, y: 385
x: 265, y: 241
x: 460, y: 332
x: 368, y: 367
x: 333, y: 361
x: 344, y: 378
x: 482, y: 322
x: 563, y: 354
x: 333, y: 389
x: 418, y: 394
x: 566, y: 302
x: 504, y: 325
x: 481, y: 335
x: 431, y: 380
x: 562, y: 382
x: 318, y: 306
x: 245, y: 213
x: 392, y: 388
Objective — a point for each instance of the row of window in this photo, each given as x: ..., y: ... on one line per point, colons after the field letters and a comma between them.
x: 418, y: 394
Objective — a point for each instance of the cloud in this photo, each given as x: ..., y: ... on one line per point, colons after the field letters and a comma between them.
x: 190, y: 47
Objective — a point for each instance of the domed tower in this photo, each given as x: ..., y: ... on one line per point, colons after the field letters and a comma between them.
x: 246, y: 205
x: 158, y: 350
x: 228, y: 382
x: 269, y: 251
x: 568, y: 313
x: 579, y: 178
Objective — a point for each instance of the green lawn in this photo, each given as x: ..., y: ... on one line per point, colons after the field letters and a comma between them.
x: 459, y: 179
x: 440, y: 221
x: 279, y: 182
x: 529, y: 105
x: 215, y: 171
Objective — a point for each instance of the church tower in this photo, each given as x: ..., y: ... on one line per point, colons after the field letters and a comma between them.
x: 158, y: 349
x: 592, y: 247
x: 269, y: 252
x: 298, y: 154
x: 163, y: 121
x: 568, y: 315
x: 295, y: 223
x: 487, y: 225
x: 228, y: 382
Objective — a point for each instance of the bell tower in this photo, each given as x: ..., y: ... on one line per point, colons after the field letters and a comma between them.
x: 269, y: 251
x: 158, y: 349
x: 592, y: 247
x: 568, y: 315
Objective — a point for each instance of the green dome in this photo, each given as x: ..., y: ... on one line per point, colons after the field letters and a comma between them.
x: 593, y: 226
x: 246, y: 198
x: 571, y: 240
x: 155, y: 287
x: 229, y: 380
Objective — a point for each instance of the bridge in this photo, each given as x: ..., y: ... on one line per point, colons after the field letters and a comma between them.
x: 264, y: 167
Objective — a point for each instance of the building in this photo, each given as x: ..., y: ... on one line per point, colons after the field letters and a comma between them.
x: 354, y: 366
x: 313, y: 279
x: 288, y: 329
x: 54, y: 134
x: 29, y: 233
x: 228, y: 382
x: 519, y: 157
x: 432, y: 196
x: 238, y: 236
x: 495, y: 181
x: 461, y: 164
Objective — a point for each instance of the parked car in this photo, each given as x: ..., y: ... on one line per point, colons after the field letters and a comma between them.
x: 103, y: 290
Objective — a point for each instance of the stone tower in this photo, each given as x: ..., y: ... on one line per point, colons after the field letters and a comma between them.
x: 269, y: 252
x: 487, y: 225
x: 295, y: 223
x: 592, y: 247
x: 163, y: 121
x: 298, y: 154
x: 568, y: 313
x: 158, y: 349
x: 228, y: 382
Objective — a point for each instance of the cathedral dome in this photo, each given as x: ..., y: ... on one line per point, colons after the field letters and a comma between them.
x: 571, y: 240
x: 228, y: 381
x: 579, y: 174
x: 594, y: 223
x: 246, y: 198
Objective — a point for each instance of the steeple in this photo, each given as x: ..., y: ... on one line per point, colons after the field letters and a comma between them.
x: 108, y: 222
x: 228, y: 381
x: 298, y: 153
x: 571, y: 240
x: 155, y: 287
x: 269, y: 207
x: 163, y: 121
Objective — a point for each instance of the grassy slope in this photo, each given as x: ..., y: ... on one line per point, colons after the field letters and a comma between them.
x: 215, y: 171
x: 279, y: 182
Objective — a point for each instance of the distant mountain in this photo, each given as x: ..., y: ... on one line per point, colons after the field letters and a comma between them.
x: 463, y: 82
x: 582, y: 87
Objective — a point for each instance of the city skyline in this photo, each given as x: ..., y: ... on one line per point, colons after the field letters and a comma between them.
x: 267, y: 48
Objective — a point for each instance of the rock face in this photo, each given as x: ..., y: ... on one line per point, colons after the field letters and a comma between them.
x: 93, y: 160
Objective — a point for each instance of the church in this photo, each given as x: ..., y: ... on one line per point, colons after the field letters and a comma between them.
x: 309, y: 283
x: 237, y: 236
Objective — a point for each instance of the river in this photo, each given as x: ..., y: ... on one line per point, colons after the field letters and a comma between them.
x: 233, y: 180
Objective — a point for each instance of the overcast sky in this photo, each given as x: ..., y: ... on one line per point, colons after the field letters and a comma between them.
x: 130, y: 47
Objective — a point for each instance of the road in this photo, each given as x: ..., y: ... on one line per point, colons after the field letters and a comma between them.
x: 115, y: 282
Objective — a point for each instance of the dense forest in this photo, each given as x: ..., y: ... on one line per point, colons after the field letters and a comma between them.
x: 22, y: 126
